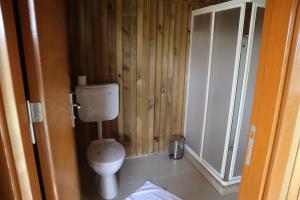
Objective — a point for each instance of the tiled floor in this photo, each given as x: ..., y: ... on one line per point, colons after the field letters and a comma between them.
x: 177, y: 176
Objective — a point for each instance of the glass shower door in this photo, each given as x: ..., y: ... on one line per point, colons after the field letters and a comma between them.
x: 249, y: 94
x: 221, y: 89
x: 197, y: 79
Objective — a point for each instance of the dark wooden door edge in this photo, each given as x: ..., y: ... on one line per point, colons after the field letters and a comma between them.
x: 14, y: 104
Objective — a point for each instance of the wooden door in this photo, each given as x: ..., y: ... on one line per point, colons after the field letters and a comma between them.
x: 293, y: 186
x: 43, y: 29
x: 274, y: 75
x: 8, y: 183
x: 19, y: 178
x: 287, y: 138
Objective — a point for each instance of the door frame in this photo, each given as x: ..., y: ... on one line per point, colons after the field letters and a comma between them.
x: 9, y: 186
x: 271, y: 89
x: 287, y: 138
x: 14, y: 118
x: 273, y: 79
x: 46, y: 64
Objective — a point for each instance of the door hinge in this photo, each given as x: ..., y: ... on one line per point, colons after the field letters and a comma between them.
x: 35, y: 114
x: 250, y: 145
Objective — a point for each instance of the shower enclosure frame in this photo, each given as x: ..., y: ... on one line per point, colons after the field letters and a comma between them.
x: 213, y: 10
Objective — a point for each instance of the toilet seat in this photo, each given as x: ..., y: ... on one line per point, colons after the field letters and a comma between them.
x: 105, y: 152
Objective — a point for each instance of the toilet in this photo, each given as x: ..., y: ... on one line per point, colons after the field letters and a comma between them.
x: 100, y: 103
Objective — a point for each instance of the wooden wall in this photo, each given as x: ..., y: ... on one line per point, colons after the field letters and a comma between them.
x: 142, y: 45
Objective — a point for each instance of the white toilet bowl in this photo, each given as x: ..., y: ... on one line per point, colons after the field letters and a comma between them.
x: 106, y: 157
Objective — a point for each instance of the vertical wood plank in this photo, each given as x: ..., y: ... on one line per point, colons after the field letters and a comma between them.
x: 119, y: 66
x: 190, y: 8
x: 170, y: 69
x: 83, y: 136
x: 91, y: 128
x: 133, y: 76
x: 164, y: 138
x: 72, y: 18
x: 126, y: 74
x: 97, y: 45
x: 158, y: 64
x: 82, y: 35
x: 145, y: 77
x: 182, y: 69
x: 175, y: 92
x: 89, y: 31
x: 139, y: 83
x: 104, y: 42
x: 105, y: 75
x: 111, y: 34
x: 153, y: 15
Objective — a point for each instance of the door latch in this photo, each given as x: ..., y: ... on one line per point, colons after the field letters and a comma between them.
x: 72, y: 106
x: 250, y: 145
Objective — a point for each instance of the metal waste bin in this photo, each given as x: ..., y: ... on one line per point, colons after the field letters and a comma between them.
x: 176, y: 147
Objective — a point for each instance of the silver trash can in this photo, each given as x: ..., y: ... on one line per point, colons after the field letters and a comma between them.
x: 176, y: 147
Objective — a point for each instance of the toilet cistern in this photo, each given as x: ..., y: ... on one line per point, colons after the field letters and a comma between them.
x: 98, y: 103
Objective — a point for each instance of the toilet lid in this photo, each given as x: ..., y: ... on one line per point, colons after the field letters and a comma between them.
x: 106, y: 151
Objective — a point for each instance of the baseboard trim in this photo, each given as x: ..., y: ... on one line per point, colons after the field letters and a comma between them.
x: 147, y: 155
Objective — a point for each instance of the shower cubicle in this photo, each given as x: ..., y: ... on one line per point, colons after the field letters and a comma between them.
x: 224, y: 53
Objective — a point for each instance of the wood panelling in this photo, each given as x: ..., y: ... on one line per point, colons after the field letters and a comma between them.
x: 142, y: 45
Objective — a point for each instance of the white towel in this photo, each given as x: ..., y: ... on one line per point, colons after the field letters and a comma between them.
x: 149, y: 191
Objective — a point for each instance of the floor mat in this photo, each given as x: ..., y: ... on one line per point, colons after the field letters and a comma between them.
x: 149, y: 191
